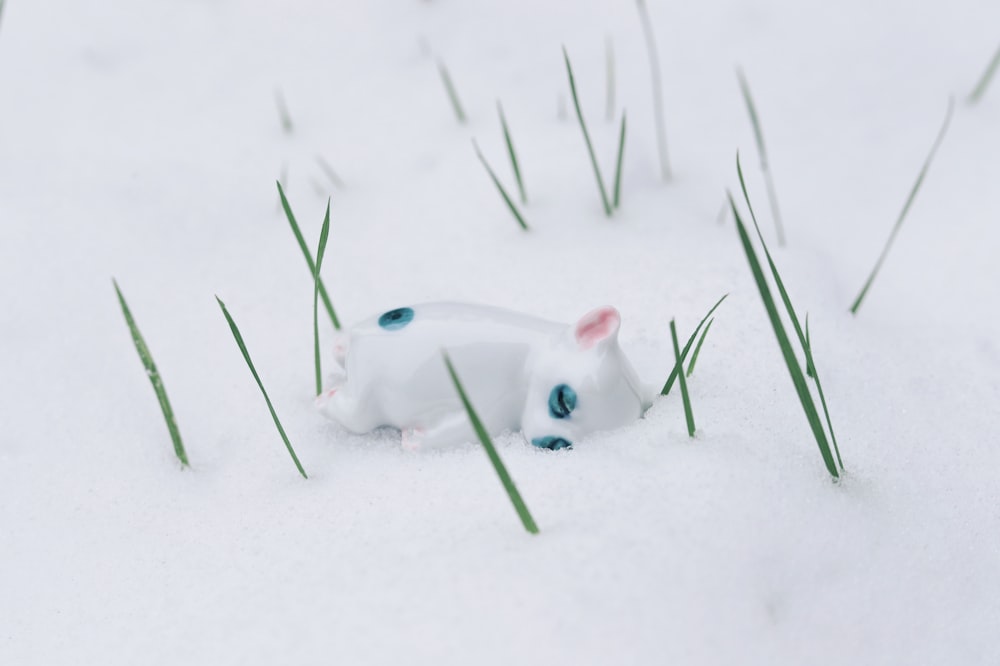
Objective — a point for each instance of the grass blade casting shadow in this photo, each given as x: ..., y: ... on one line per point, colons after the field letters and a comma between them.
x: 697, y: 347
x: 449, y: 88
x: 685, y: 398
x: 503, y: 193
x: 765, y: 162
x: 152, y: 373
x: 618, y: 163
x: 335, y: 179
x: 657, y: 82
x: 308, y: 256
x: 791, y: 362
x: 253, y: 371
x: 513, y: 155
x: 323, y: 234
x: 906, y: 208
x: 984, y: 80
x: 687, y: 348
x: 484, y: 438
x: 586, y: 137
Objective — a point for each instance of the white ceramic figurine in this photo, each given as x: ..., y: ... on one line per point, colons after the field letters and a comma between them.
x: 556, y: 382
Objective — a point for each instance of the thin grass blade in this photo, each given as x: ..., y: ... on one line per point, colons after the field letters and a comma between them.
x: 654, y: 71
x: 688, y: 414
x: 822, y: 397
x: 618, y: 163
x: 513, y: 154
x: 152, y: 373
x: 697, y: 347
x: 308, y: 256
x: 586, y: 137
x: 508, y: 484
x: 329, y: 172
x: 984, y: 80
x: 791, y: 362
x: 449, y: 88
x: 906, y: 208
x: 253, y: 371
x: 503, y: 193
x: 673, y: 373
x: 320, y: 252
x: 283, y: 115
x: 765, y: 165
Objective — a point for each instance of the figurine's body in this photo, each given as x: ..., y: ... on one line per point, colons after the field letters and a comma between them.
x: 553, y: 381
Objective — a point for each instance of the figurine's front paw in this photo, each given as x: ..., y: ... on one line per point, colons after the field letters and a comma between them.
x: 412, y: 438
x: 325, y: 397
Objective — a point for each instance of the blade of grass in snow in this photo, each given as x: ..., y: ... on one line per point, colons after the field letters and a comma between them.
x: 586, y: 137
x: 286, y: 118
x: 618, y: 163
x: 791, y: 362
x: 673, y: 373
x: 151, y: 372
x: 323, y: 234
x: 822, y: 397
x: 450, y: 89
x: 513, y: 155
x: 308, y: 256
x: 688, y: 415
x: 984, y: 80
x: 654, y: 71
x: 330, y: 173
x: 500, y: 188
x: 697, y: 347
x: 484, y: 438
x: 609, y: 62
x: 906, y: 209
x: 765, y: 166
x: 253, y: 371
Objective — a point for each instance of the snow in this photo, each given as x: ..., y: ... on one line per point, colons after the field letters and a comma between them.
x: 141, y: 140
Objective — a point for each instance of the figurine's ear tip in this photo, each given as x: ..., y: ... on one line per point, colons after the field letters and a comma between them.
x: 597, y: 325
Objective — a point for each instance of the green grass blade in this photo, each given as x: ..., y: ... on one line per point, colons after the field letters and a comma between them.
x: 906, y: 209
x: 792, y: 363
x: 586, y: 137
x: 618, y: 163
x: 822, y: 397
x: 283, y: 115
x: 329, y: 172
x: 673, y: 373
x: 503, y: 193
x: 449, y: 87
x: 508, y: 484
x: 308, y: 256
x: 152, y: 373
x: 764, y: 160
x: 984, y: 80
x: 253, y: 371
x: 323, y: 234
x: 697, y: 347
x: 609, y: 73
x: 513, y: 155
x: 657, y: 82
x: 685, y: 398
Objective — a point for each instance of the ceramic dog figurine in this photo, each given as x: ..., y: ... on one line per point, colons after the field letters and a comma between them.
x: 556, y: 382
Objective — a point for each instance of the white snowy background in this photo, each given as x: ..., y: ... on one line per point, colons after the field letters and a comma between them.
x: 141, y: 140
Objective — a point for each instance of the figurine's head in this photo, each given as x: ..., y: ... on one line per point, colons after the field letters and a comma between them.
x: 581, y: 384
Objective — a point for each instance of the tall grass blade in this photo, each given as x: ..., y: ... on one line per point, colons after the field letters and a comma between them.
x: 449, y: 88
x: 654, y: 71
x: 513, y: 155
x: 508, y: 484
x: 308, y: 256
x: 330, y: 173
x: 618, y: 163
x: 503, y: 193
x: 822, y: 397
x: 673, y: 373
x: 609, y: 73
x: 906, y: 209
x: 688, y: 415
x: 323, y: 234
x: 984, y: 80
x: 283, y: 115
x: 792, y: 363
x: 151, y: 372
x: 586, y: 137
x: 697, y: 347
x: 253, y: 371
x: 765, y: 163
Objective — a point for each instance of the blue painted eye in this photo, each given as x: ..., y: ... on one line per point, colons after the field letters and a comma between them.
x: 562, y: 401
x: 393, y: 320
x: 552, y: 443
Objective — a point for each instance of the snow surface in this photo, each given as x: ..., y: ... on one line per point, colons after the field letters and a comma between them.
x: 141, y: 140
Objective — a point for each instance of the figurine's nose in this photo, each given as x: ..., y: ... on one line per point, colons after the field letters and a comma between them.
x: 552, y: 443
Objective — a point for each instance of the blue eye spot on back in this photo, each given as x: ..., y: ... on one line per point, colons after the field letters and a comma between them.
x: 562, y: 401
x: 552, y: 443
x: 393, y: 320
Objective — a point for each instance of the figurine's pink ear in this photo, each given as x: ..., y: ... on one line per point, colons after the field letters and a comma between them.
x: 596, y: 326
